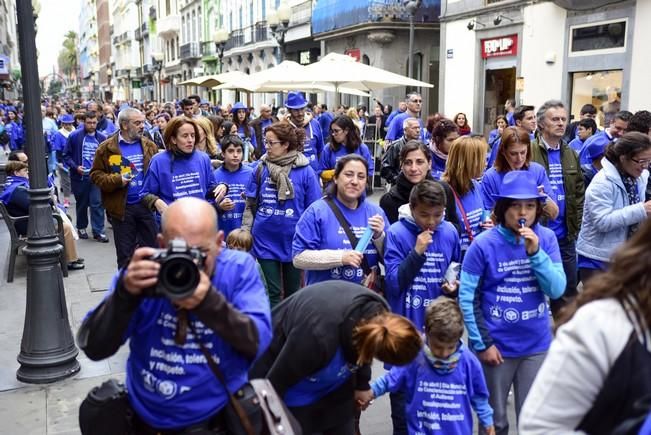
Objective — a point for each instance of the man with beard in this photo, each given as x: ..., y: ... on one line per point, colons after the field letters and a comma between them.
x: 313, y: 145
x: 118, y: 170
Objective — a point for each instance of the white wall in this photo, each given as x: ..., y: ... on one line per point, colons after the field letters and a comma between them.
x: 459, y: 72
x: 639, y: 91
x: 543, y: 35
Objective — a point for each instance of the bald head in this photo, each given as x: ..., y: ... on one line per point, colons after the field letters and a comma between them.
x: 265, y: 111
x: 188, y: 218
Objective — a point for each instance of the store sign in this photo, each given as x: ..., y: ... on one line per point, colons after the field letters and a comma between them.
x: 497, y: 47
x: 354, y: 53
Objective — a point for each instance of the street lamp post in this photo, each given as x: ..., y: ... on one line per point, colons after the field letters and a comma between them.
x: 128, y: 96
x: 108, y: 94
x: 411, y: 6
x: 47, y: 350
x: 157, y: 61
x: 220, y: 37
x: 278, y: 21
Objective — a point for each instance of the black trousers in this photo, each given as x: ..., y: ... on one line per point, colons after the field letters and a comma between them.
x: 137, y: 228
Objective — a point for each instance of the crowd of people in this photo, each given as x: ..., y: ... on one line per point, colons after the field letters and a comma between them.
x: 493, y: 235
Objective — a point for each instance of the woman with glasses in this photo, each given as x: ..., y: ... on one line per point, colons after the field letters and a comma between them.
x: 281, y: 188
x: 614, y: 202
x: 344, y: 139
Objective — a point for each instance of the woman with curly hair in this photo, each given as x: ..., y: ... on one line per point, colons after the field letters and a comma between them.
x: 597, y: 375
x: 282, y: 187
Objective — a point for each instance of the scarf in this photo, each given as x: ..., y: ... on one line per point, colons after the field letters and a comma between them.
x: 437, y: 152
x: 443, y: 366
x: 404, y: 186
x: 279, y: 168
x: 630, y: 184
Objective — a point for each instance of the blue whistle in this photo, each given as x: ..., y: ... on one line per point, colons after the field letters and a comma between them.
x: 363, y: 241
x: 522, y: 222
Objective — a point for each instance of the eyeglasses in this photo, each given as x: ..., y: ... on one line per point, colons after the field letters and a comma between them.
x: 335, y: 131
x: 272, y: 142
x: 640, y: 162
x: 415, y: 101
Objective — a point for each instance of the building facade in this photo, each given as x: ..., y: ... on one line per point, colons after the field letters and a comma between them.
x: 104, y: 35
x: 168, y: 28
x: 8, y: 50
x: 531, y: 51
x: 88, y: 49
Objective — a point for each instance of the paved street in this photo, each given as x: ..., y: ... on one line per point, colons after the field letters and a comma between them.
x: 53, y: 409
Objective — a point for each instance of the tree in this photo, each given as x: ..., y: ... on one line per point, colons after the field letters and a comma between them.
x: 69, y: 56
x: 55, y: 87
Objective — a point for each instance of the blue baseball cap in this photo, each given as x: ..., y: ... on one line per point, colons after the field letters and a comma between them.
x: 295, y: 100
x: 66, y: 119
x: 239, y: 106
x: 518, y: 184
x: 595, y: 146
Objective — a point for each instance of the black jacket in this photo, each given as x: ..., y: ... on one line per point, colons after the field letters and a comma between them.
x: 399, y: 195
x: 308, y: 328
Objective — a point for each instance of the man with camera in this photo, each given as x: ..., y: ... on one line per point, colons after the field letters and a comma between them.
x: 171, y: 303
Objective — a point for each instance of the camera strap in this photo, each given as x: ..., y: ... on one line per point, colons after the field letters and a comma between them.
x: 244, y: 419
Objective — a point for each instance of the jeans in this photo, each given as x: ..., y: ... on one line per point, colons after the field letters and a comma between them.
x: 398, y: 413
x: 88, y: 195
x: 137, y: 228
x: 519, y: 372
x: 568, y: 256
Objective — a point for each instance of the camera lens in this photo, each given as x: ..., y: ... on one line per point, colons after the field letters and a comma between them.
x: 178, y: 277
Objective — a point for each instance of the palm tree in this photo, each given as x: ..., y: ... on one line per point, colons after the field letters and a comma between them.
x: 69, y: 56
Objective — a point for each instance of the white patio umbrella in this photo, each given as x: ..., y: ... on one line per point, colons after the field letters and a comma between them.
x: 211, y: 81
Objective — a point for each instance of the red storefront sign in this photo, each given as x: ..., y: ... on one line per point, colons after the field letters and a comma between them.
x: 355, y: 53
x: 497, y: 47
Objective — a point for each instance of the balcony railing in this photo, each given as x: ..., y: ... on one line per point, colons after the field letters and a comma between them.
x: 190, y: 50
x: 249, y: 35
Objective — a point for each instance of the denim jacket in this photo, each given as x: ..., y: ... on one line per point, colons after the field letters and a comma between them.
x: 607, y: 213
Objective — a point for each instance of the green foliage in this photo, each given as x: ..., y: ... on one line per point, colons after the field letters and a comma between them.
x: 55, y: 87
x: 68, y: 58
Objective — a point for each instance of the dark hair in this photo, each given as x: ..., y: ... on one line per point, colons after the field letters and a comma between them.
x: 187, y: 102
x: 641, y: 122
x: 244, y: 124
x: 353, y: 139
x: 173, y: 128
x: 429, y: 193
x: 13, y: 156
x: 331, y: 190
x: 503, y: 204
x: 519, y: 112
x: 512, y: 136
x: 389, y: 337
x: 627, y: 146
x: 503, y: 118
x: 623, y: 115
x: 414, y: 145
x: 465, y: 119
x: 217, y: 122
x: 442, y: 129
x: 195, y: 98
x: 588, y: 109
x: 286, y: 132
x: 432, y: 121
x: 588, y: 123
x: 228, y: 125
x: 231, y: 140
x: 89, y: 114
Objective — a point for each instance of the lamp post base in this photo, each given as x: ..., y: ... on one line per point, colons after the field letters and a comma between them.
x: 45, y: 374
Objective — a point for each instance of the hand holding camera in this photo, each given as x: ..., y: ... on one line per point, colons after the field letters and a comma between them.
x: 175, y: 273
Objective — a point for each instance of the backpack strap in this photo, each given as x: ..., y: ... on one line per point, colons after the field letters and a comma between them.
x: 349, y: 232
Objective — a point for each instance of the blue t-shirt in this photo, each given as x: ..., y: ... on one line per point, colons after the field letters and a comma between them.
x: 438, y: 166
x: 319, y: 384
x: 509, y: 305
x: 491, y: 182
x: 275, y: 222
x: 411, y: 297
x: 584, y: 156
x: 557, y: 193
x: 584, y: 262
x: 313, y: 145
x: 250, y: 141
x: 132, y: 164
x: 237, y: 182
x: 170, y: 385
x: 88, y: 150
x: 173, y: 178
x: 576, y: 144
x: 329, y: 157
x: 318, y: 229
x: 474, y: 207
x: 395, y: 130
x: 439, y: 404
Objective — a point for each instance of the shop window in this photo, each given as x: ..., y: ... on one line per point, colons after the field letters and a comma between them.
x: 599, y: 88
x: 603, y: 37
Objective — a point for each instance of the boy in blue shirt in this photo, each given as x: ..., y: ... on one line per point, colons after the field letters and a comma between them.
x: 445, y: 370
x: 236, y: 175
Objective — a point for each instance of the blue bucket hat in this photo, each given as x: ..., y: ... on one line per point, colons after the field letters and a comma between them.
x: 295, y: 100
x: 239, y: 106
x: 66, y: 119
x: 518, y: 185
x: 596, y: 146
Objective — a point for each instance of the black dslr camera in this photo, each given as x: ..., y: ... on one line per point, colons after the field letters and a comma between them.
x: 178, y: 276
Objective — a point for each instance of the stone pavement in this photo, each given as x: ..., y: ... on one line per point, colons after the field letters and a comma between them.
x: 53, y: 409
